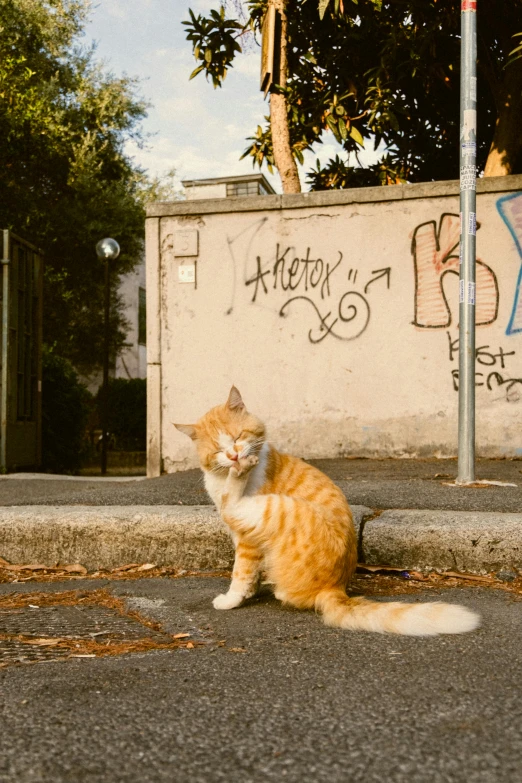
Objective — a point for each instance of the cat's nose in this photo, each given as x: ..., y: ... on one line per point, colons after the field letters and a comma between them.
x: 234, y: 456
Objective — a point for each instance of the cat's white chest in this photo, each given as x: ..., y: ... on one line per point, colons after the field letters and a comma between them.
x: 214, y: 486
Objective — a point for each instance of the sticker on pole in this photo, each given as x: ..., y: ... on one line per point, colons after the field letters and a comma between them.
x: 468, y: 130
x: 461, y: 291
x: 468, y: 5
x: 468, y: 175
x: 471, y: 293
x: 472, y: 224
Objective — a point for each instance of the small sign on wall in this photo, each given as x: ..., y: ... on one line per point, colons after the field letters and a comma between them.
x: 187, y: 273
x: 186, y: 243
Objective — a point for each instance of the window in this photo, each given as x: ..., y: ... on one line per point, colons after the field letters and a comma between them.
x: 242, y: 189
x: 142, y: 317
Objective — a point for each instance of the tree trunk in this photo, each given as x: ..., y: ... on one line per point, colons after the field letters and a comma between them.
x: 507, y: 140
x: 284, y: 160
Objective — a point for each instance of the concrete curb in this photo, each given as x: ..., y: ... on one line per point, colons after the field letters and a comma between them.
x: 193, y: 537
x: 469, y: 541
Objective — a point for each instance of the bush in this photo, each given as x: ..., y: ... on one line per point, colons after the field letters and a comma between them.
x: 66, y: 405
x: 127, y: 415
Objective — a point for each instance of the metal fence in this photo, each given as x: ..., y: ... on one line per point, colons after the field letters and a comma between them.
x: 21, y: 289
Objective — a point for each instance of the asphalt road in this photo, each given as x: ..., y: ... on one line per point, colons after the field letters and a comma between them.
x: 379, y: 484
x: 302, y: 702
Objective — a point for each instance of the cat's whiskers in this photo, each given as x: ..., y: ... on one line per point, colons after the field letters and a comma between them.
x: 252, y: 447
x: 218, y: 469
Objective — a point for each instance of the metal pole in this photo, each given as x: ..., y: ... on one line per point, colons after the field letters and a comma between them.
x: 5, y: 350
x: 105, y: 383
x: 106, y: 249
x: 468, y: 231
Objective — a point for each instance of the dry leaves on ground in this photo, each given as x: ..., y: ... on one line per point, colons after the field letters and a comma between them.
x: 39, y: 572
x: 398, y: 579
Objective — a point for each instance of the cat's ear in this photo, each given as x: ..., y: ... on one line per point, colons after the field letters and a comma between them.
x: 235, y: 401
x: 187, y: 429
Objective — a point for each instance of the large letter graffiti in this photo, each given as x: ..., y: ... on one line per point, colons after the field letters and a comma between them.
x: 435, y: 253
x: 510, y: 209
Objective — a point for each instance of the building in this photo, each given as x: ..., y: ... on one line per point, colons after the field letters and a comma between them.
x: 132, y: 361
x: 227, y: 187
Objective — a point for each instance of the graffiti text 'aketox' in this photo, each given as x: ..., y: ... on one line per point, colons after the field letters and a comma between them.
x: 289, y: 273
x: 345, y: 318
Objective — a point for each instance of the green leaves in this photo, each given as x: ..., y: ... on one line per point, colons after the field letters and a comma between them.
x: 336, y: 174
x: 196, y: 71
x: 384, y: 70
x: 337, y: 119
x: 516, y: 53
x: 356, y: 136
x: 214, y: 43
x: 261, y: 149
x: 338, y: 6
x: 323, y: 5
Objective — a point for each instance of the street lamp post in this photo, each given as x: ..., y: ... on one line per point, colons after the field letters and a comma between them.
x: 107, y: 250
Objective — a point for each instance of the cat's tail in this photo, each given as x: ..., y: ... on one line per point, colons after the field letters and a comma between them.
x: 359, y: 614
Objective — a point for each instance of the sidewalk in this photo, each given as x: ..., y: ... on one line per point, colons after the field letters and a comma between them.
x: 406, y: 513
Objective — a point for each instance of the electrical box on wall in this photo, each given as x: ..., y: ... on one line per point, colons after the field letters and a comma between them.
x: 187, y: 273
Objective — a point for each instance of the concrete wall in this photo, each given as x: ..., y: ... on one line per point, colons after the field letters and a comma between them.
x: 336, y: 315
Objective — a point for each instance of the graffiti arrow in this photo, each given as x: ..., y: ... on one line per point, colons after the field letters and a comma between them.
x: 379, y: 273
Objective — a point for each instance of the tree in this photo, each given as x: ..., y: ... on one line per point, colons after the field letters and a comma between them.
x: 387, y: 73
x: 65, y: 179
x: 283, y: 158
x: 215, y: 43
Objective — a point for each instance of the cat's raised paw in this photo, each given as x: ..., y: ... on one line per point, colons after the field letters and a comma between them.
x: 247, y: 463
x: 227, y: 601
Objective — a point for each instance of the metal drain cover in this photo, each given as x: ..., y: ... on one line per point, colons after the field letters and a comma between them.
x: 47, y: 627
x: 72, y: 622
x: 12, y: 651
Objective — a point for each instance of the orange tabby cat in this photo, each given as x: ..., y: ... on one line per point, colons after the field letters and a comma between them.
x: 292, y: 521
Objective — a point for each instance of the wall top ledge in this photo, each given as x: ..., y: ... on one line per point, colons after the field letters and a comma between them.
x: 328, y: 198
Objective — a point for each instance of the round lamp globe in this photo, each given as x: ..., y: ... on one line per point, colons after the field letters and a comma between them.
x: 107, y: 249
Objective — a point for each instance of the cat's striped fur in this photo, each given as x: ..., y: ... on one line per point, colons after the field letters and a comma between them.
x: 291, y: 521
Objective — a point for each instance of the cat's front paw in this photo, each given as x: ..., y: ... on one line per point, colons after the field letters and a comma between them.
x: 227, y: 601
x: 247, y: 463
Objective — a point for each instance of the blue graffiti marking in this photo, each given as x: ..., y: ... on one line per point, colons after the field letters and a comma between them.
x: 510, y: 210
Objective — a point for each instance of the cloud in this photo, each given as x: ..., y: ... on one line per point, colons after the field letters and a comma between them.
x: 248, y: 65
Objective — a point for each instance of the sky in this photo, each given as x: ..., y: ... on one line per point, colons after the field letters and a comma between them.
x: 198, y: 131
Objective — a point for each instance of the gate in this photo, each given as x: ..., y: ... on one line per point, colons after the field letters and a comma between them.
x: 21, y: 289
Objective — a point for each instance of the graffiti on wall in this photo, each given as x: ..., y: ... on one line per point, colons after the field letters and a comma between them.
x: 510, y: 209
x: 336, y: 296
x: 344, y: 317
x: 435, y: 253
x: 493, y: 370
